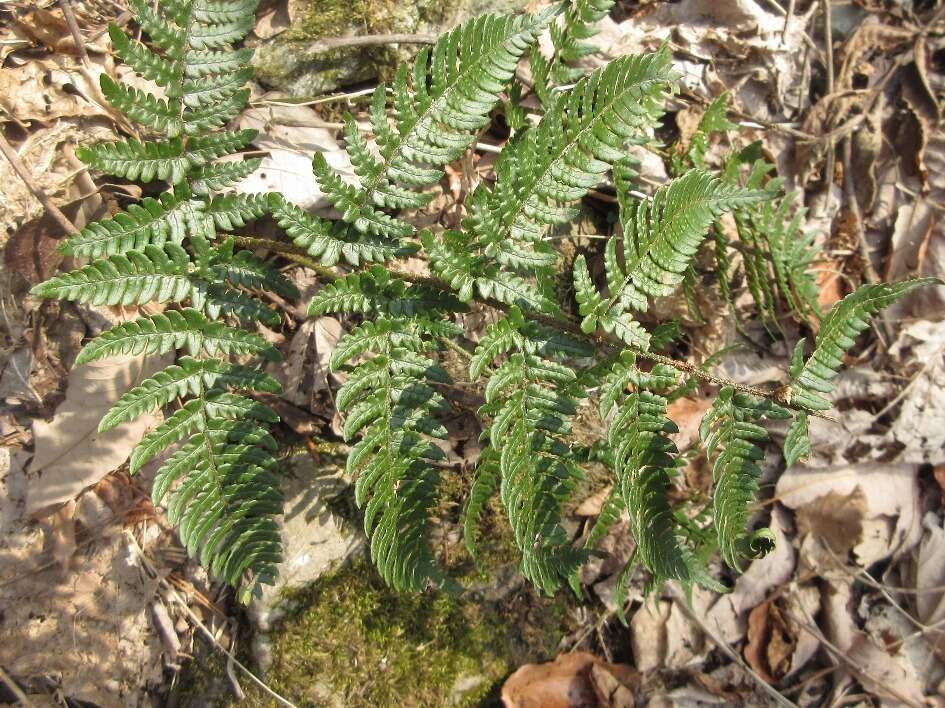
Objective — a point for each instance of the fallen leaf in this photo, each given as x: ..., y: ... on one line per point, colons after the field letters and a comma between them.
x: 687, y: 414
x: 71, y: 455
x: 885, y: 503
x: 777, y: 646
x: 291, y: 134
x: 306, y: 366
x: 575, y: 680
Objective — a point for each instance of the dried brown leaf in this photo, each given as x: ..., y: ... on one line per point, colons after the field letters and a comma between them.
x: 71, y: 455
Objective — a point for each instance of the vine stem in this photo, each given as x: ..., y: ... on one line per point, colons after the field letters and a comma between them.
x: 566, y: 324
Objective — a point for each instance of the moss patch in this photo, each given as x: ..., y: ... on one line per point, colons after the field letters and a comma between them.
x: 353, y: 642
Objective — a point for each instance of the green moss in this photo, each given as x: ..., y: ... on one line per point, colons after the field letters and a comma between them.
x: 351, y: 641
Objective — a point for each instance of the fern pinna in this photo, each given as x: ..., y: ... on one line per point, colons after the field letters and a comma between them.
x: 541, y: 361
x: 170, y: 257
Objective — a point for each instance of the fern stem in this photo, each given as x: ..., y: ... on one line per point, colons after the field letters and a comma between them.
x: 562, y: 324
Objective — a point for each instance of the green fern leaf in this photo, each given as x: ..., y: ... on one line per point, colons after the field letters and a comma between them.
x: 164, y: 332
x: 135, y: 277
x: 389, y: 400
x: 797, y: 441
x: 187, y: 377
x: 160, y: 70
x: 152, y: 221
x: 143, y: 107
x: 838, y: 331
x: 644, y: 459
x: 329, y: 244
x: 138, y: 161
x: 662, y: 236
x: 732, y: 435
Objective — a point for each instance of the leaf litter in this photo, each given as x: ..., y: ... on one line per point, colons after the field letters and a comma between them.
x: 849, y: 602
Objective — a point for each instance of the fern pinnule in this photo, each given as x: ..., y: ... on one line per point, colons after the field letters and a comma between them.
x: 186, y: 329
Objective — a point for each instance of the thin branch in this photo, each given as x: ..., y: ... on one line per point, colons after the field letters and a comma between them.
x: 8, y: 681
x: 564, y: 323
x: 776, y: 695
x: 23, y: 174
x: 167, y: 587
x: 828, y: 40
x: 67, y: 12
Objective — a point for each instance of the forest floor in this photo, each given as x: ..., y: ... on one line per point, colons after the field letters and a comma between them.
x: 99, y: 604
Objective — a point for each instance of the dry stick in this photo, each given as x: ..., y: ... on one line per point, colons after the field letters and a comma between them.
x: 728, y: 651
x: 166, y: 586
x: 10, y: 154
x: 17, y: 691
x: 566, y: 325
x: 828, y: 40
x: 787, y: 20
x: 811, y: 628
x: 67, y: 12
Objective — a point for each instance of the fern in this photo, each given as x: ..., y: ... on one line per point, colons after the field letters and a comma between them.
x: 732, y: 435
x: 220, y: 487
x: 174, y: 256
x: 568, y: 43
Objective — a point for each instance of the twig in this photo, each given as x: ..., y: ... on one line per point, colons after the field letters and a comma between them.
x: 562, y: 323
x: 371, y: 40
x: 67, y: 12
x: 849, y: 189
x: 828, y: 40
x: 787, y: 20
x: 167, y: 587
x: 776, y: 695
x: 811, y: 628
x: 13, y: 158
x: 15, y: 689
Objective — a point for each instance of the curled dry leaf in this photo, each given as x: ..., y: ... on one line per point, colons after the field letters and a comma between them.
x: 880, y: 511
x: 576, y: 680
x: 777, y: 645
x: 306, y: 366
x: 71, y: 455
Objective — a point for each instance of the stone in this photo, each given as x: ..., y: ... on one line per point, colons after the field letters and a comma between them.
x: 316, y: 539
x: 293, y: 62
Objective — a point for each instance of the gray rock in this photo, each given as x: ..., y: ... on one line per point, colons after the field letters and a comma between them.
x: 316, y: 541
x: 294, y: 62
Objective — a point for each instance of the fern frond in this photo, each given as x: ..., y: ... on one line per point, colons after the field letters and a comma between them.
x: 644, y: 461
x: 142, y: 107
x: 485, y: 484
x: 846, y: 319
x: 375, y: 290
x: 732, y: 436
x: 328, y: 242
x: 568, y: 37
x: 797, y: 440
x: 390, y: 401
x: 574, y: 145
x: 188, y: 377
x: 220, y: 175
x: 186, y: 330
x: 152, y: 221
x: 208, y: 412
x: 242, y: 268
x: 135, y: 277
x: 138, y: 161
x: 660, y: 237
x: 455, y: 86
x: 161, y: 70
x: 219, y: 486
x: 225, y: 504
x: 530, y: 399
